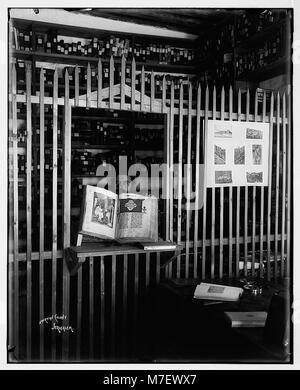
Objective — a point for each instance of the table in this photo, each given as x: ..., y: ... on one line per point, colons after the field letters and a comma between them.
x: 184, y: 329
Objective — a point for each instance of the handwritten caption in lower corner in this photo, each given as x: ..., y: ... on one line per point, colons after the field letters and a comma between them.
x: 57, y: 322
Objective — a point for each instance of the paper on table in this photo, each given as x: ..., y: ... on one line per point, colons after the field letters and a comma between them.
x: 217, y: 292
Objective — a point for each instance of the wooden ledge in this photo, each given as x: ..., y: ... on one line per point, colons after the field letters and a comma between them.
x: 75, y: 256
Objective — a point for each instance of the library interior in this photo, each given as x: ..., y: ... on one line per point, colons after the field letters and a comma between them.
x: 126, y: 241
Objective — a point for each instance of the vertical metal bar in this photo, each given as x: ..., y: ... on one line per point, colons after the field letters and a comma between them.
x: 123, y: 70
x: 277, y: 190
x: 222, y: 196
x: 163, y: 106
x: 157, y: 267
x: 88, y: 85
x: 197, y: 178
x: 28, y: 209
x: 147, y: 272
x: 16, y: 213
x: 283, y: 199
x: 152, y: 98
x: 102, y: 308
x: 188, y: 190
x: 79, y: 313
x: 91, y: 307
x: 270, y: 186
x: 125, y: 291
x: 143, y: 89
x: 111, y: 82
x: 180, y: 140
x: 66, y: 208
x: 262, y: 206
x: 238, y: 199
x: 246, y: 199
x: 167, y: 154
x: 76, y: 85
x: 99, y: 86
x: 289, y: 174
x: 133, y: 75
x: 171, y: 154
x: 42, y: 207
x: 204, y: 192
x: 230, y: 195
x: 54, y: 205
x: 136, y: 296
x: 113, y: 305
x: 213, y: 205
x: 254, y: 197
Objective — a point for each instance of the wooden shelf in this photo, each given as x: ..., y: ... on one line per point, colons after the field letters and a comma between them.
x: 258, y: 37
x: 271, y: 70
x: 74, y: 60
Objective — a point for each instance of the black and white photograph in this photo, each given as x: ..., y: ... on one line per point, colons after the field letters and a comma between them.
x: 150, y: 187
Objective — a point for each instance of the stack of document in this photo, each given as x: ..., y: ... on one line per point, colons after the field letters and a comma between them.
x: 217, y: 292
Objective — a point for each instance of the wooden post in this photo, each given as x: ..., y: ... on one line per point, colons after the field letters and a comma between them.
x: 283, y: 199
x: 15, y: 338
x: 213, y: 205
x: 163, y: 106
x: 66, y: 208
x: 79, y: 312
x: 91, y: 307
x: 289, y: 174
x: 76, y: 86
x: 171, y: 160
x: 188, y: 181
x: 133, y: 75
x: 197, y: 178
x: 222, y: 197
x: 204, y: 190
x: 238, y: 199
x: 123, y: 70
x: 88, y: 86
x: 28, y: 209
x: 111, y: 82
x: 54, y: 204
x: 180, y: 141
x: 125, y: 291
x: 270, y: 186
x: 230, y: 221
x: 246, y: 200
x: 152, y: 98
x: 113, y: 306
x: 143, y: 89
x: 42, y: 207
x: 102, y: 308
x: 99, y: 87
x: 261, y: 239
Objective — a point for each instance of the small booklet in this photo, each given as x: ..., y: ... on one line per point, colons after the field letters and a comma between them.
x: 217, y: 292
x: 125, y: 218
x: 246, y: 319
x: 159, y: 245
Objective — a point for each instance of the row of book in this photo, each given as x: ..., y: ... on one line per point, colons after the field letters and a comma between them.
x: 258, y: 58
x: 105, y: 47
x: 216, y: 42
x: 82, y: 77
x: 48, y: 162
x: 149, y: 138
x: 249, y: 24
